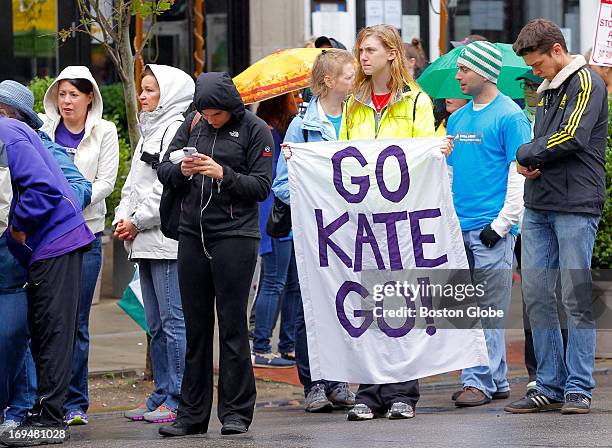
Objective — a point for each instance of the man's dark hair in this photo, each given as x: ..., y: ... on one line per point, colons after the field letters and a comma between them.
x: 538, y: 35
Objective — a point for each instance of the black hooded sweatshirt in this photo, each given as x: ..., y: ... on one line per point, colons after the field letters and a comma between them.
x: 244, y: 147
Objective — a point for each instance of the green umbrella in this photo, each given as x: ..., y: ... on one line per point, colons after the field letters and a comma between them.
x: 438, y: 80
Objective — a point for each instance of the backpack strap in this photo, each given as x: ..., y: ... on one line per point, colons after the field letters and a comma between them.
x: 161, y: 143
x: 416, y: 100
x: 305, y: 134
x: 196, y: 118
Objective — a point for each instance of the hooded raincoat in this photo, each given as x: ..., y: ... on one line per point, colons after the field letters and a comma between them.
x: 97, y: 156
x: 142, y: 190
x: 244, y: 147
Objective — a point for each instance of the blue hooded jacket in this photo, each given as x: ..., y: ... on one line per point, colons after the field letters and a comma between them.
x: 316, y: 131
x: 44, y: 206
x: 12, y: 274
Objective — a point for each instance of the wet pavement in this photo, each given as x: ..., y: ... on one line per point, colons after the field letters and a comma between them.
x: 438, y: 423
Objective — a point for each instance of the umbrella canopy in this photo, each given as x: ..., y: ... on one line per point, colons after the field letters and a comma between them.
x: 438, y: 80
x: 281, y: 72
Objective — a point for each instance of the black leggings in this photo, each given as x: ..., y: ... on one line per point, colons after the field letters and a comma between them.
x: 226, y: 277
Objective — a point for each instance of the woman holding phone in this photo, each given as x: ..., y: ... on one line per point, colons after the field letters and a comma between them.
x: 219, y: 237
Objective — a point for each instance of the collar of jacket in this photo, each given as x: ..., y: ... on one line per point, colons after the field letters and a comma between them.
x: 565, y: 73
x: 360, y: 97
x: 313, y: 121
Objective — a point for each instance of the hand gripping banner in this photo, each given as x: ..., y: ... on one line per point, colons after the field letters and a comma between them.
x: 375, y: 234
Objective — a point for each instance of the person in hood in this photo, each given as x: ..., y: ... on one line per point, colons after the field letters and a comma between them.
x: 218, y: 243
x: 73, y: 119
x: 166, y: 94
x: 18, y: 385
x: 47, y: 235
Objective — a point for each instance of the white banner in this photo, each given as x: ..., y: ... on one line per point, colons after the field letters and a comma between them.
x: 602, y: 49
x: 365, y: 213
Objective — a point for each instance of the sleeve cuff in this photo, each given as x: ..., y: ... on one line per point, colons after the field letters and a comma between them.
x: 500, y: 228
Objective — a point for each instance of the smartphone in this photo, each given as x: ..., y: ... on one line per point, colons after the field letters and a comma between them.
x: 189, y: 150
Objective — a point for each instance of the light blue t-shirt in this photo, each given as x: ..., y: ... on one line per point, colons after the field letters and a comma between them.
x: 336, y: 121
x: 486, y: 142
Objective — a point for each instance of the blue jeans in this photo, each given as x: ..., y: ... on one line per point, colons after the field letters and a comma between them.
x: 23, y: 390
x: 164, y: 316
x: 553, y: 243
x: 492, y: 268
x: 78, y: 394
x: 17, y: 374
x: 277, y: 276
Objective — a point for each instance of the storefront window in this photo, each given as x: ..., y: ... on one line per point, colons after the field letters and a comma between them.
x: 502, y: 20
x: 34, y: 38
x: 216, y: 36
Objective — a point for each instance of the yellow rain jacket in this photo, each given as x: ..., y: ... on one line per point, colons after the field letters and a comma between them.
x: 410, y: 116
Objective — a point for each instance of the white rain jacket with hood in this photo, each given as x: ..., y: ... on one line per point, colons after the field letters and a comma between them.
x: 142, y: 191
x: 97, y: 156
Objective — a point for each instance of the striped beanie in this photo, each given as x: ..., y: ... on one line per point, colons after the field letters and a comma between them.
x: 482, y: 57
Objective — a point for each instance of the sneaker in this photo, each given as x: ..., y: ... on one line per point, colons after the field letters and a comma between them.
x: 361, y: 412
x: 233, y: 426
x: 400, y: 410
x: 496, y: 396
x: 32, y: 433
x: 316, y: 400
x: 76, y: 418
x: 530, y: 385
x: 501, y: 395
x: 533, y: 401
x: 271, y: 361
x: 290, y: 356
x: 8, y: 425
x: 576, y: 403
x: 342, y: 397
x: 137, y: 414
x: 178, y: 429
x: 471, y: 396
x: 162, y: 414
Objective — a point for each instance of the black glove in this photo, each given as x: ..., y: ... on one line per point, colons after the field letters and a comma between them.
x: 489, y: 237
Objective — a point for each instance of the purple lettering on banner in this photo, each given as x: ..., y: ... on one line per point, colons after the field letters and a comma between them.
x: 346, y: 288
x: 362, y: 181
x: 389, y: 219
x: 365, y: 235
x: 407, y: 325
x: 402, y: 190
x: 324, y: 234
x: 427, y: 302
x: 418, y: 239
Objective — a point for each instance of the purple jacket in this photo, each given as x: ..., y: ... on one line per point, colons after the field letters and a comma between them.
x: 44, y: 205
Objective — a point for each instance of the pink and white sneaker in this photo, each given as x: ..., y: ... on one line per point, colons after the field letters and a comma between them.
x: 162, y: 414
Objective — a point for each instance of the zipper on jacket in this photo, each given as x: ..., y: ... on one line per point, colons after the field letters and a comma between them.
x: 231, y: 211
x: 71, y: 203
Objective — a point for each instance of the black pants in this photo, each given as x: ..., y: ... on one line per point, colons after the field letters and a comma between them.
x: 53, y: 302
x: 227, y: 276
x: 380, y: 397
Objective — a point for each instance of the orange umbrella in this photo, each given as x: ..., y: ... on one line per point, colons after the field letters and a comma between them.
x: 281, y: 72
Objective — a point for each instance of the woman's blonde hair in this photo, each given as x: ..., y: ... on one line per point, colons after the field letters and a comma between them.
x: 328, y: 63
x: 400, y: 76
